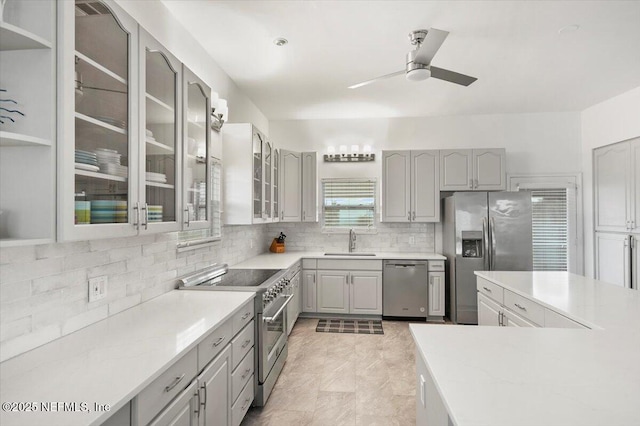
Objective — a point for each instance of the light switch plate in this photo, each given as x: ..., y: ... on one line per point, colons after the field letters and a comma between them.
x: 97, y: 288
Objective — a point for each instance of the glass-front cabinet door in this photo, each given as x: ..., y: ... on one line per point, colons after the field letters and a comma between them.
x: 257, y: 176
x: 98, y: 122
x: 197, y: 131
x: 276, y: 185
x: 160, y: 130
x: 267, y: 213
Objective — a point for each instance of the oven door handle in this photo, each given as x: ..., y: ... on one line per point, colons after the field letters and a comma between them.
x: 277, y: 314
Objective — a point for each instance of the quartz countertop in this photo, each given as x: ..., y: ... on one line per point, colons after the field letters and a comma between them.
x: 286, y: 260
x: 111, y: 361
x: 542, y: 376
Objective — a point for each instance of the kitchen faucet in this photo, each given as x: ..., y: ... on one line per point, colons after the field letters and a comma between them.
x: 352, y: 240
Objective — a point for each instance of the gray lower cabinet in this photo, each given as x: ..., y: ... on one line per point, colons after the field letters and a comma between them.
x: 309, y: 291
x: 212, y: 385
x: 430, y: 409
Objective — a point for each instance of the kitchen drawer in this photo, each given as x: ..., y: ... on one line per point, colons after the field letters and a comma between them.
x: 490, y: 289
x: 242, y: 404
x: 214, y: 343
x: 309, y: 264
x: 524, y: 307
x: 436, y: 265
x: 553, y: 319
x: 152, y: 399
x: 350, y: 264
x: 243, y: 316
x: 241, y: 375
x: 242, y: 343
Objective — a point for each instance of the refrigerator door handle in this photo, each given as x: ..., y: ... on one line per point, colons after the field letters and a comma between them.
x: 485, y: 241
x: 492, y: 235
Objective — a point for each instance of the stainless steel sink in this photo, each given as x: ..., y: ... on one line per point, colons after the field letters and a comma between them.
x: 350, y: 254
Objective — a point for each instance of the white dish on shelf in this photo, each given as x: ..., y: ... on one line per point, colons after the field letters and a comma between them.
x: 87, y: 167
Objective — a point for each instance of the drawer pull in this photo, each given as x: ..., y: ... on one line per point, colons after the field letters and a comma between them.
x: 520, y: 307
x: 175, y: 383
x: 245, y: 316
x: 246, y: 342
x: 220, y: 340
x: 246, y: 404
x: 246, y: 372
x: 487, y: 289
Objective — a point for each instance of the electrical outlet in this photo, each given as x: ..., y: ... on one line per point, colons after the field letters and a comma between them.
x: 97, y: 288
x: 412, y: 240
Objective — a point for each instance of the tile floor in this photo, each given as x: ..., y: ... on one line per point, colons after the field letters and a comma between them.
x: 333, y: 379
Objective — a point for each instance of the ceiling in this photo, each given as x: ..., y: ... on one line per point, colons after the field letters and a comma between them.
x: 522, y: 62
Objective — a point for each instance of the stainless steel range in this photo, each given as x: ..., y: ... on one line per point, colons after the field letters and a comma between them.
x: 272, y: 298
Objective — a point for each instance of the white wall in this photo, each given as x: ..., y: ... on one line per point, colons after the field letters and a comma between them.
x: 154, y: 17
x: 614, y: 120
x: 535, y: 143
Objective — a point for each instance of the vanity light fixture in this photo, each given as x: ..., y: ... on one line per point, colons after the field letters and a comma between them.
x: 355, y: 156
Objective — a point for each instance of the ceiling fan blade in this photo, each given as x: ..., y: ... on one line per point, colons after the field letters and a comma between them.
x: 430, y: 46
x: 383, y: 77
x: 451, y: 76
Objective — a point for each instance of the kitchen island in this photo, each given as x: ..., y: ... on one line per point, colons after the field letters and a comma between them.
x: 536, y: 376
x: 87, y: 376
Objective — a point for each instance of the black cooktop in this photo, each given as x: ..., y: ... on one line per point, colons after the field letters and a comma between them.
x: 242, y: 278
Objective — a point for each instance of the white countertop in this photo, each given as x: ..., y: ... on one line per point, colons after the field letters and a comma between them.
x: 286, y: 260
x: 536, y: 376
x: 109, y: 362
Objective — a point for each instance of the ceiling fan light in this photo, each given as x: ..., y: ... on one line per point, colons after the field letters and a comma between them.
x: 418, y: 74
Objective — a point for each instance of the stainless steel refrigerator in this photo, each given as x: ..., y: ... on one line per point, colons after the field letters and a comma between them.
x: 483, y: 231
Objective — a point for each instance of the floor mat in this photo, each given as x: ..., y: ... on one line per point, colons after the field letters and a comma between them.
x: 349, y: 326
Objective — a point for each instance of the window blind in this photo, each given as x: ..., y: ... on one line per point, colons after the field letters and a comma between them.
x: 348, y: 203
x: 550, y: 229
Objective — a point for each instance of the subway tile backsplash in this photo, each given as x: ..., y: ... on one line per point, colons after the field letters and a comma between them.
x: 44, y: 289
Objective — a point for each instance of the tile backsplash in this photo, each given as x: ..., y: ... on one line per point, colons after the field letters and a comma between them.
x: 388, y: 237
x: 44, y: 289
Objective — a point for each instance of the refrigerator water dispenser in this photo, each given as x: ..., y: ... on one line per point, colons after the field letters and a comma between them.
x: 472, y: 244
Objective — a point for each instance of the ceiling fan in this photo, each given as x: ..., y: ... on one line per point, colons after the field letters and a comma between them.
x: 419, y: 61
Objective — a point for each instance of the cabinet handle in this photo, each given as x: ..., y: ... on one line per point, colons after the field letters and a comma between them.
x: 220, y: 340
x: 282, y: 215
x: 409, y: 216
x: 520, y: 307
x: 245, y: 316
x: 500, y: 318
x: 246, y: 342
x: 303, y: 215
x: 199, y: 403
x: 471, y: 183
x: 475, y: 183
x: 487, y: 289
x: 246, y: 404
x: 146, y: 216
x: 175, y: 383
x: 187, y: 215
x: 136, y: 208
x: 204, y: 404
x: 414, y: 215
x: 247, y: 371
x: 430, y: 280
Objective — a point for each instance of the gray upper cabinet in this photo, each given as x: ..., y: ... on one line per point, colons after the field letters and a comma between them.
x: 290, y: 186
x: 473, y: 170
x: 410, y: 188
x: 309, y: 187
x: 614, y: 170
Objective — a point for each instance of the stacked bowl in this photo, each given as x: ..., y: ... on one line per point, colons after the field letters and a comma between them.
x: 155, y: 213
x: 108, y: 211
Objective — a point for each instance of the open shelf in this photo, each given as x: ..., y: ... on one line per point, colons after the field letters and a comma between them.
x: 18, y: 139
x: 157, y: 148
x: 160, y: 185
x: 16, y: 38
x: 99, y: 175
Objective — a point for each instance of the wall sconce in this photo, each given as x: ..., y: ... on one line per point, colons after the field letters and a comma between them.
x: 219, y: 112
x: 343, y: 156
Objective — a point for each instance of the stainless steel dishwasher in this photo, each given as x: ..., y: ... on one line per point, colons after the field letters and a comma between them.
x: 404, y: 288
